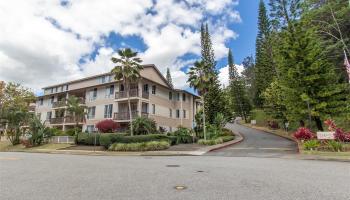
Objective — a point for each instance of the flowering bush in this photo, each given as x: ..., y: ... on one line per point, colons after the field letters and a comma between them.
x: 107, y: 126
x: 304, y: 134
x: 339, y: 134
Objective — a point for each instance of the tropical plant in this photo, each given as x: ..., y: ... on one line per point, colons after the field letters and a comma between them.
x: 183, y: 135
x: 304, y: 134
x: 77, y: 110
x: 200, y: 77
x: 334, y: 145
x: 198, y: 118
x: 220, y: 121
x: 107, y: 126
x: 311, y: 144
x: 36, y: 131
x: 128, y: 70
x: 143, y: 126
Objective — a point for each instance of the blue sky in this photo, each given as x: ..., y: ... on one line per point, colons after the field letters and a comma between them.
x: 63, y: 40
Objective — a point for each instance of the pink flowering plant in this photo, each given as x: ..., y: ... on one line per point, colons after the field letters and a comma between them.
x: 304, y: 134
x: 339, y: 134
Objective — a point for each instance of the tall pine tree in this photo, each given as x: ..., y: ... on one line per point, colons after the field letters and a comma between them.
x: 240, y: 103
x: 214, y: 98
x: 308, y: 81
x: 168, y: 77
x: 264, y: 68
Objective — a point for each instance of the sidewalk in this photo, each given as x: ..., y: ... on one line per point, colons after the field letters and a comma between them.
x: 178, y: 150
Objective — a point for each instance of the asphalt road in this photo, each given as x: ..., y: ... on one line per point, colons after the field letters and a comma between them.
x: 257, y: 143
x: 32, y: 176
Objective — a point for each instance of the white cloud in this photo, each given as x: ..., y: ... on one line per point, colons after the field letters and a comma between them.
x: 42, y: 42
x: 224, y: 74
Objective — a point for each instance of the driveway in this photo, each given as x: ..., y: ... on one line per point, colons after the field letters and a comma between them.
x: 257, y: 143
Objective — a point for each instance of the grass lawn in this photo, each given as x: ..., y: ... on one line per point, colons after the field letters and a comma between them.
x: 6, y: 146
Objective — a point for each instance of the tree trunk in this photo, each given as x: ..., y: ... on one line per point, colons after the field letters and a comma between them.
x: 318, y: 123
x: 204, y: 128
x: 129, y: 107
x: 76, y: 126
x: 301, y: 123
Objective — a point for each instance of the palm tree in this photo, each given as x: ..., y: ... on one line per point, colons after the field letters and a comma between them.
x: 77, y: 110
x: 200, y: 78
x: 128, y: 70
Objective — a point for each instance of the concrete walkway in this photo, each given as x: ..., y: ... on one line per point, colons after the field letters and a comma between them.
x: 257, y: 143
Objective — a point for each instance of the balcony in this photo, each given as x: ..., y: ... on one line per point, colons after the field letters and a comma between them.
x: 133, y: 93
x: 125, y: 115
x: 62, y: 103
x: 71, y: 119
x: 58, y: 120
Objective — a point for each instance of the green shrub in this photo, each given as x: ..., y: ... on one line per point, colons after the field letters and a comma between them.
x: 211, y: 142
x: 226, y: 132
x: 334, y: 145
x: 144, y: 125
x: 88, y: 138
x: 227, y: 138
x: 107, y: 139
x: 71, y: 132
x: 143, y: 146
x: 311, y: 144
x: 183, y: 135
x: 213, y: 132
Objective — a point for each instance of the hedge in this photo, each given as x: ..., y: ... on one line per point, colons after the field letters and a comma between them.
x: 88, y: 138
x: 218, y: 140
x: 107, y: 139
x: 143, y: 146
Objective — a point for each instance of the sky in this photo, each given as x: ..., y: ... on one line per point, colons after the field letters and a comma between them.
x: 49, y: 42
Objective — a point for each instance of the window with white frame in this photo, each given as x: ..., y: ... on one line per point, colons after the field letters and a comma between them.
x: 93, y: 94
x: 178, y: 96
x: 177, y: 113
x: 91, y: 112
x: 48, y: 115
x: 109, y: 91
x: 108, y: 111
x: 184, y: 113
x: 170, y: 112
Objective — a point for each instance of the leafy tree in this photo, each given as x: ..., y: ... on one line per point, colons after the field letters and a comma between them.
x: 274, y: 101
x: 200, y: 77
x: 168, y: 77
x: 128, y: 70
x: 14, y: 107
x: 78, y: 112
x: 264, y: 69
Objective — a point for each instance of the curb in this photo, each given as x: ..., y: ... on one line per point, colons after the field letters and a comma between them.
x: 221, y: 146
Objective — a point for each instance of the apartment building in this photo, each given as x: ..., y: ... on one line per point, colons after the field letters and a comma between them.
x: 106, y: 98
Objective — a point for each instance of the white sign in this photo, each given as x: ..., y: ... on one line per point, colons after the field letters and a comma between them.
x: 253, y: 122
x: 325, y: 135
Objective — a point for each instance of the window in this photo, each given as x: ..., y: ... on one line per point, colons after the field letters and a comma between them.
x: 178, y: 96
x: 61, y: 90
x: 170, y: 95
x: 51, y: 100
x: 51, y: 90
x: 153, y: 109
x: 56, y: 89
x: 66, y: 87
x: 145, y: 88
x: 121, y: 87
x: 109, y: 91
x: 177, y: 113
x: 184, y: 113
x: 91, y: 112
x: 90, y: 128
x: 183, y: 97
x: 41, y: 101
x: 93, y: 94
x: 170, y: 112
x: 108, y: 111
x: 48, y: 115
x: 153, y: 89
